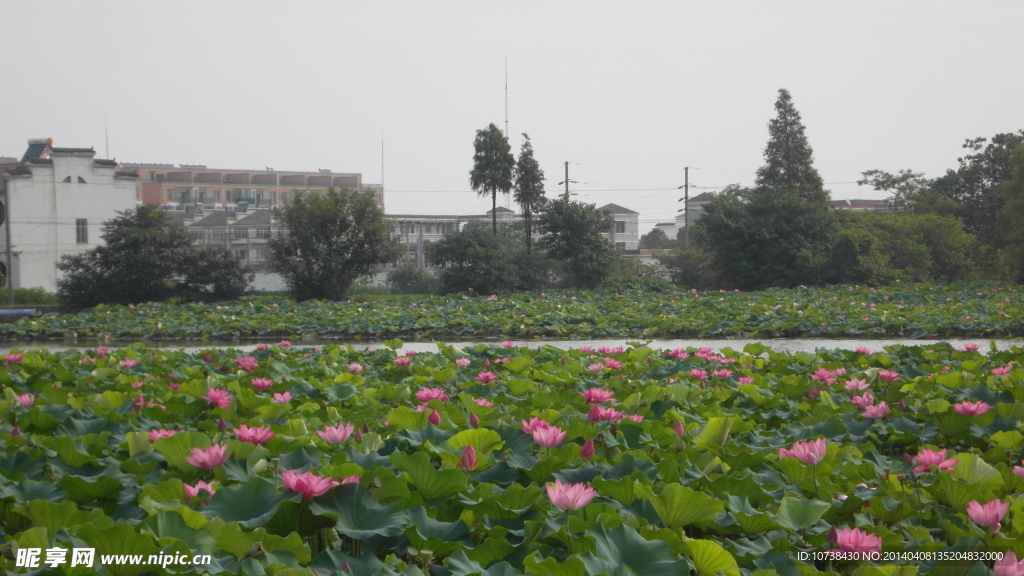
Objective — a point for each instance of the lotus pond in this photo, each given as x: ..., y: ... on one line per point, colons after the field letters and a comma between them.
x: 504, y: 460
x: 905, y: 311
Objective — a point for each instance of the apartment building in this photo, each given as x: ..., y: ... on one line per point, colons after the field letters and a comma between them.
x: 196, y: 188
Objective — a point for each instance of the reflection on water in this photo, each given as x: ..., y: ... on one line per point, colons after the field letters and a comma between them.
x: 793, y: 345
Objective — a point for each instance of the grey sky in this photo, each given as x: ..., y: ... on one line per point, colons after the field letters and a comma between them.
x: 628, y: 92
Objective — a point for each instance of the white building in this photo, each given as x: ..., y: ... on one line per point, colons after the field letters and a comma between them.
x: 55, y: 202
x: 625, y: 232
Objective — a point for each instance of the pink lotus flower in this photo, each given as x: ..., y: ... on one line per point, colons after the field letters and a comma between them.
x: 587, y: 452
x: 810, y: 453
x: 699, y: 374
x: 679, y: 428
x: 462, y: 362
x: 261, y: 384
x: 26, y: 400
x: 970, y: 348
x: 434, y: 418
x: 129, y: 363
x: 746, y: 380
x: 856, y: 384
x: 261, y: 346
x: 428, y: 394
x: 308, y: 484
x: 247, y: 363
x: 856, y: 541
x: 209, y: 458
x: 207, y: 357
x: 549, y: 436
x: 353, y: 479
x: 679, y: 354
x: 823, y: 375
x: 508, y: 344
x: 219, y: 398
x: 990, y: 514
x: 255, y: 435
x: 336, y: 434
x: 971, y: 408
x: 102, y: 349
x: 888, y: 375
x: 468, y: 460
x: 928, y: 458
x: 612, y: 364
x: 876, y: 412
x: 14, y: 358
x: 138, y: 384
x: 155, y: 435
x: 1008, y: 565
x: 193, y: 491
x: 1002, y: 371
x: 484, y: 402
x: 636, y: 417
x: 599, y: 413
x: 284, y: 344
x: 570, y: 496
x: 596, y: 367
x: 723, y: 373
x: 355, y: 368
x: 532, y: 424
x: 863, y: 401
x: 611, y: 349
x: 598, y: 395
x: 283, y: 398
x: 403, y: 361
x: 174, y: 385
x: 486, y: 377
x: 410, y: 352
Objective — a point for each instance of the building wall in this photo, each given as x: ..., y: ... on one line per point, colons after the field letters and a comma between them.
x: 44, y: 210
x: 627, y: 232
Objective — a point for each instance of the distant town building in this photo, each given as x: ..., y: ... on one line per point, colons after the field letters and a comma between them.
x: 625, y: 232
x: 55, y: 201
x: 862, y: 205
x: 196, y: 188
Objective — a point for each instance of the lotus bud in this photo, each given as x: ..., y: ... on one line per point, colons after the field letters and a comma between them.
x: 222, y: 424
x: 434, y: 418
x: 256, y: 551
x: 207, y: 357
x: 587, y: 452
x: 474, y: 420
x: 907, y: 459
x: 468, y: 460
x: 358, y: 435
x: 366, y: 428
x: 833, y: 535
x: 902, y: 404
x: 680, y: 429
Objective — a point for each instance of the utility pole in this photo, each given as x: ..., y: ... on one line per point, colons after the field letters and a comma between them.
x: 567, y: 180
x: 7, y: 231
x: 686, y: 206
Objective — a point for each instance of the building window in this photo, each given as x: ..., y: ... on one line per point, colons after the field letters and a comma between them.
x: 82, y: 231
x: 620, y: 227
x: 240, y: 254
x: 620, y: 246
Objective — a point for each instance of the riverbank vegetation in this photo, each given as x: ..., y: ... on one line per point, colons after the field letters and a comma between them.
x: 979, y: 309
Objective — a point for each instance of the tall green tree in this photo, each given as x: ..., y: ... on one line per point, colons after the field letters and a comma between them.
x: 529, y: 186
x: 974, y: 185
x: 573, y: 236
x: 764, y: 238
x: 903, y: 187
x: 492, y: 167
x: 789, y: 160
x: 330, y: 240
x: 1010, y: 218
x: 144, y: 258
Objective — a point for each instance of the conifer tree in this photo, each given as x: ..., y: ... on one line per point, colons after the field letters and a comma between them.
x: 529, y: 186
x: 789, y: 160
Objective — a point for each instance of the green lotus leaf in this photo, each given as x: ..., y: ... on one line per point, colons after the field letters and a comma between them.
x: 431, y: 483
x: 119, y: 539
x: 709, y: 558
x: 483, y: 440
x: 679, y: 506
x: 715, y: 432
x: 405, y: 418
x: 251, y: 504
x: 171, y: 524
x: 359, y: 515
x: 976, y: 472
x: 573, y: 566
x: 178, y: 447
x: 623, y: 546
x: 53, y: 516
x: 800, y: 513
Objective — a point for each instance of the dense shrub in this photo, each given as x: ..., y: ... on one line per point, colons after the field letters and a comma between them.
x: 689, y: 268
x: 475, y: 259
x: 412, y: 279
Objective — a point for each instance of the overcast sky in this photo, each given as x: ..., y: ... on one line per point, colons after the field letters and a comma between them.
x: 628, y: 93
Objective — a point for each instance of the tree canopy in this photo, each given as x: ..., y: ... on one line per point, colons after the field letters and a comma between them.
x: 330, y: 240
x: 529, y: 186
x: 147, y: 258
x: 573, y: 236
x: 493, y: 164
x: 789, y: 160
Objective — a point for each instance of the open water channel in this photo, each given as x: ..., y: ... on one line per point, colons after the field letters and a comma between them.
x: 793, y: 345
